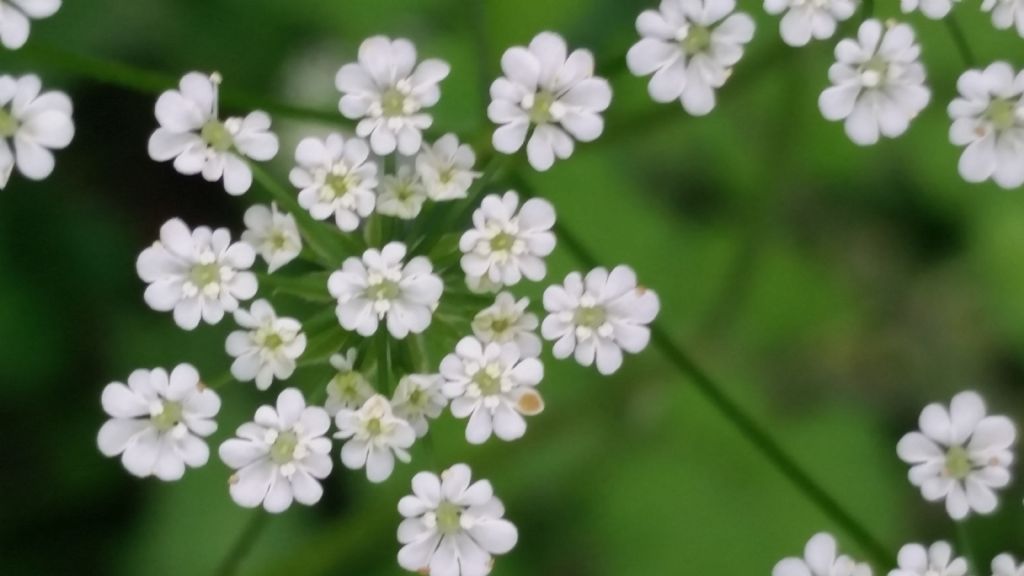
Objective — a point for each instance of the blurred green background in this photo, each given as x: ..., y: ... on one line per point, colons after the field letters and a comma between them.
x: 833, y: 290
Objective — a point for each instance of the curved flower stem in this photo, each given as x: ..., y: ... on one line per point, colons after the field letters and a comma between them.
x: 963, y: 537
x: 240, y: 549
x: 956, y: 33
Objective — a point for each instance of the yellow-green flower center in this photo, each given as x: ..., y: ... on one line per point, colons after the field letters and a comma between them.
x: 392, y: 103
x: 8, y: 124
x: 448, y: 518
x: 1002, y: 114
x: 540, y: 112
x: 385, y: 290
x: 338, y: 184
x: 502, y: 242
x: 347, y: 385
x: 205, y: 274
x: 697, y: 40
x: 958, y: 463
x: 282, y: 451
x: 168, y: 418
x: 591, y: 317
x: 374, y: 426
x: 489, y: 385
x: 217, y: 136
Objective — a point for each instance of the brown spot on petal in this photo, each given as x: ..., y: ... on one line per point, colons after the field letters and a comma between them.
x: 980, y: 131
x: 424, y: 571
x: 641, y: 290
x: 202, y: 386
x: 530, y: 403
x: 233, y: 479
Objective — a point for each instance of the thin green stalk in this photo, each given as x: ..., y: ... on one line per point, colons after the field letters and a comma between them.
x: 240, y: 549
x: 383, y: 360
x: 956, y: 33
x: 966, y: 544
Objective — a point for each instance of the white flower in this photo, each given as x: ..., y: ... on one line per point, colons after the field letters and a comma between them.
x: 15, y: 16
x: 335, y: 178
x: 508, y: 321
x: 988, y: 118
x: 877, y: 83
x: 349, y: 388
x: 555, y: 92
x: 401, y: 195
x: 915, y: 560
x: 375, y: 437
x: 380, y: 286
x: 199, y: 274
x: 387, y: 92
x: 820, y: 559
x: 492, y: 385
x: 281, y: 455
x: 960, y: 455
x: 158, y: 422
x: 418, y: 398
x: 274, y: 234
x: 1006, y: 565
x: 452, y: 527
x: 506, y: 242
x: 192, y: 133
x: 690, y: 48
x: 599, y: 317
x: 807, y: 19
x: 267, y: 348
x: 31, y: 124
x: 446, y: 168
x: 934, y: 9
x: 1006, y: 13
x: 482, y: 285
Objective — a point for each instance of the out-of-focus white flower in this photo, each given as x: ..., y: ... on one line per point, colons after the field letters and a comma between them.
x: 1006, y: 14
x: 877, y: 83
x: 198, y: 274
x: 401, y: 195
x: 267, y: 347
x: 274, y: 234
x: 934, y: 9
x: 506, y: 242
x: 937, y: 560
x: 157, y: 422
x: 508, y: 320
x: 690, y: 48
x: 1006, y: 565
x: 821, y: 559
x: 281, y: 456
x: 388, y: 93
x: 553, y: 91
x: 988, y: 118
x: 15, y: 17
x: 807, y: 19
x: 192, y: 134
x: 493, y: 386
x: 31, y: 124
x: 335, y: 178
x: 446, y: 168
x: 961, y: 455
x: 452, y: 527
x: 599, y: 317
x: 375, y: 437
x: 418, y: 398
x: 348, y: 388
x: 380, y: 285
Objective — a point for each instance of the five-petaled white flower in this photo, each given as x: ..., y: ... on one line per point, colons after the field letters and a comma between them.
x: 335, y: 178
x: 934, y: 9
x: 492, y: 385
x: 374, y: 438
x: 553, y: 91
x: 281, y: 456
x: 508, y: 242
x: 349, y: 388
x: 1006, y: 14
x: 599, y: 317
x: 446, y: 168
x: 192, y: 133
x: 452, y: 527
x: 15, y: 16
x: 31, y: 124
x: 988, y: 118
x: 380, y: 285
x: 877, y: 83
x: 388, y: 92
x: 937, y: 560
x: 267, y: 347
x: 807, y: 19
x: 1006, y: 565
x: 198, y: 274
x: 508, y: 320
x: 690, y: 47
x: 961, y: 455
x: 402, y: 194
x: 821, y: 558
x: 273, y: 233
x: 418, y: 398
x: 158, y: 422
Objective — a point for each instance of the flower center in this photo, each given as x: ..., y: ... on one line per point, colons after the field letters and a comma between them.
x: 168, y: 417
x: 205, y: 274
x: 383, y: 290
x: 374, y: 427
x: 270, y: 340
x: 696, y: 40
x: 958, y: 463
x: 500, y: 325
x: 488, y: 380
x: 873, y: 72
x: 502, y: 242
x: 592, y: 317
x: 392, y: 103
x: 217, y: 136
x: 8, y: 124
x: 540, y: 111
x: 449, y: 518
x: 282, y: 451
x: 336, y: 186
x: 279, y: 240
x: 347, y: 385
x: 1002, y: 114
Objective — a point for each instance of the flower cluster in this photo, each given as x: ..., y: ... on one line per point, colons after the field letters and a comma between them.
x: 396, y: 246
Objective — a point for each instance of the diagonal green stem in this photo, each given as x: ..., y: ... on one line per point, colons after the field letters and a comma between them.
x: 956, y: 34
x: 963, y: 537
x: 240, y: 549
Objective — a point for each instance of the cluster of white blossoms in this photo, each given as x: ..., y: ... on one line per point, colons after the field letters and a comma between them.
x: 390, y: 280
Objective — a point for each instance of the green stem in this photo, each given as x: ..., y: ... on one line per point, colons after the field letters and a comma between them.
x: 240, y: 549
x: 956, y: 33
x: 383, y: 360
x: 963, y: 537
